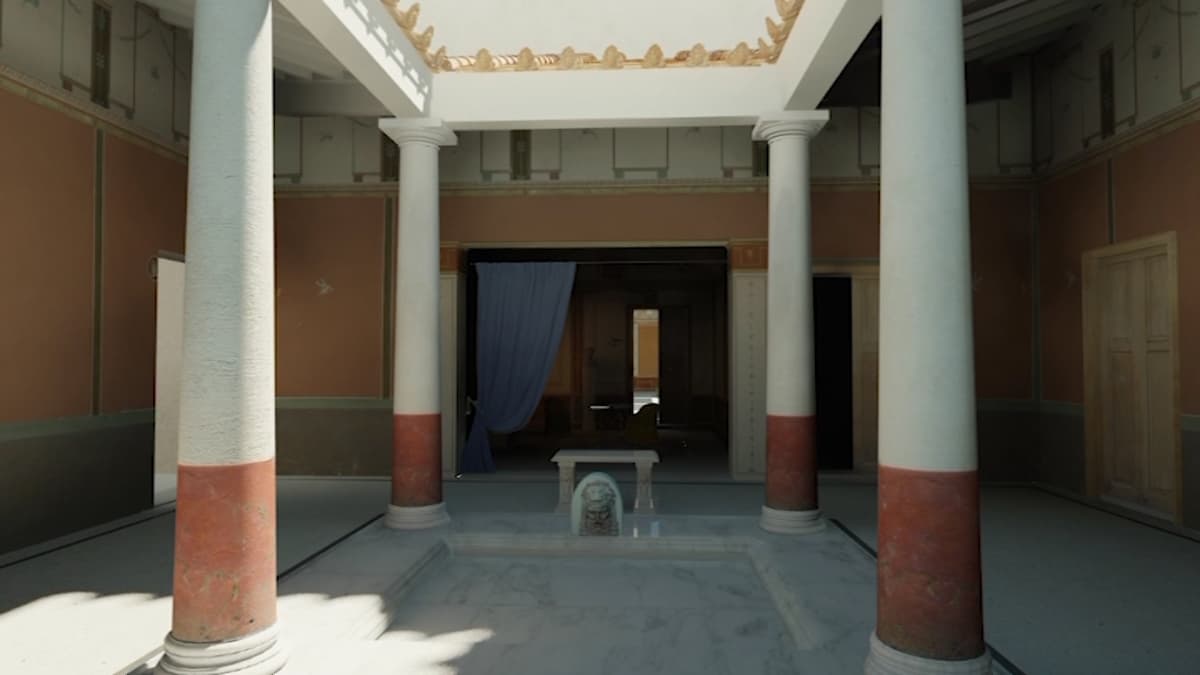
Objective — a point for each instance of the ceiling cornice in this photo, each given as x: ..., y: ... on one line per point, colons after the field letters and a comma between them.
x: 767, y: 50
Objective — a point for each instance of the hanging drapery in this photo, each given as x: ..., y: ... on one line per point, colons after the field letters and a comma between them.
x: 522, y: 308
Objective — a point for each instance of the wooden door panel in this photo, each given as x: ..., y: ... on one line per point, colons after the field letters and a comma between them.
x: 1122, y: 426
x: 1133, y: 400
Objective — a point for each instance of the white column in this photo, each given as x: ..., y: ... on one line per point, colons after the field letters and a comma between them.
x: 791, y: 480
x: 930, y: 616
x: 416, y: 399
x: 224, y: 607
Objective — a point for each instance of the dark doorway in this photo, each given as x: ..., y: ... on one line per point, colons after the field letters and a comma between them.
x: 675, y: 385
x: 835, y: 399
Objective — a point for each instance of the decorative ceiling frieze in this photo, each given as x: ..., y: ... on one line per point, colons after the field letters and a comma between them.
x: 766, y: 50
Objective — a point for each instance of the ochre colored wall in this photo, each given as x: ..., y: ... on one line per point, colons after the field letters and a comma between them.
x: 845, y: 223
x: 1003, y: 297
x: 647, y: 363
x: 47, y: 176
x: 1156, y: 188
x: 602, y: 218
x: 1072, y: 218
x: 329, y: 259
x: 145, y: 211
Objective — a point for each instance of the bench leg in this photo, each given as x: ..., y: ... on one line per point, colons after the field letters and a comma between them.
x: 644, y: 503
x: 566, y: 486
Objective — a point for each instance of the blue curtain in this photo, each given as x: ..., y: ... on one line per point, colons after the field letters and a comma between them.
x: 522, y: 308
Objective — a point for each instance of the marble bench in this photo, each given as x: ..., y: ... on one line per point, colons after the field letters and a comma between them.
x: 644, y: 460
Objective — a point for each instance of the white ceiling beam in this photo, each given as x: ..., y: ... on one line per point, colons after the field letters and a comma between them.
x: 825, y: 36
x: 326, y: 98
x: 631, y: 97
x: 364, y: 38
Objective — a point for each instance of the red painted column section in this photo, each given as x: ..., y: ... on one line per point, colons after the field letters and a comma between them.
x: 417, y: 460
x: 791, y: 462
x: 930, y: 599
x: 224, y: 551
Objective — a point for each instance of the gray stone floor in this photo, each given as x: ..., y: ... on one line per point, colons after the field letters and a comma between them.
x: 1068, y: 589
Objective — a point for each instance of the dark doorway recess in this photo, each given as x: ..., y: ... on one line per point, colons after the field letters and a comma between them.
x: 835, y: 399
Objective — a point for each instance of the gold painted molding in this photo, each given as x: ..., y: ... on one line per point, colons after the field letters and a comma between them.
x: 778, y: 28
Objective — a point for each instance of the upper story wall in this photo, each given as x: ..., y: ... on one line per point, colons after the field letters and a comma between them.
x: 1155, y: 51
x: 51, y: 41
x: 337, y: 151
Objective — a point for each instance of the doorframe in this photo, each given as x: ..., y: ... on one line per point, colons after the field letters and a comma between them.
x: 856, y: 271
x: 1093, y: 407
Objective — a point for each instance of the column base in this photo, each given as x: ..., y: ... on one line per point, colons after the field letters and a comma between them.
x: 791, y: 522
x: 885, y: 660
x: 416, y: 517
x: 256, y: 654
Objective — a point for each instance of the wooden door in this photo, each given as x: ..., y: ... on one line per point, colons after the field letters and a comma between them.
x: 1132, y: 375
x: 674, y: 365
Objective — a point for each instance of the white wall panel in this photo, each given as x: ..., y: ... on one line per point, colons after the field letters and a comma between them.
x: 155, y: 74
x: 640, y: 149
x: 327, y: 150
x: 287, y: 146
x: 77, y: 42
x: 694, y: 152
x: 368, y: 145
x: 748, y: 382
x: 834, y: 151
x: 587, y: 154
x: 460, y: 163
x: 31, y: 38
x: 546, y: 150
x: 736, y: 152
x: 124, y: 37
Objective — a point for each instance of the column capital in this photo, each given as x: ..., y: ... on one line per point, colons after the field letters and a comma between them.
x: 806, y: 123
x: 417, y: 130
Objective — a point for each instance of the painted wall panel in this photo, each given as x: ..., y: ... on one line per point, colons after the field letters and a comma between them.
x: 545, y: 150
x: 327, y: 150
x: 183, y: 82
x: 1156, y: 189
x: 695, y: 152
x: 1068, y: 103
x: 367, y: 147
x: 736, y: 148
x: 1189, y: 31
x: 869, y: 137
x: 1157, y: 59
x: 154, y: 84
x: 287, y: 146
x: 461, y: 163
x: 1014, y: 122
x: 983, y: 128
x: 31, y: 38
x: 76, y: 43
x: 46, y: 261
x: 1072, y: 218
x: 587, y: 154
x: 596, y: 218
x: 1003, y: 293
x: 640, y: 148
x: 496, y: 151
x: 329, y: 296
x: 123, y: 53
x: 834, y: 151
x: 748, y: 381
x: 845, y: 223
x: 145, y: 202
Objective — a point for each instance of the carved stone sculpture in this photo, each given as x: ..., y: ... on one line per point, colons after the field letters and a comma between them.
x: 596, y: 508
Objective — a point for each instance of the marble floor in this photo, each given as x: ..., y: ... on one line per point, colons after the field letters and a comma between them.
x: 1067, y: 588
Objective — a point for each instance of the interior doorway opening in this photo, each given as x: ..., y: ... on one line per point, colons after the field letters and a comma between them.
x: 645, y: 358
x: 833, y: 333
x: 643, y: 361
